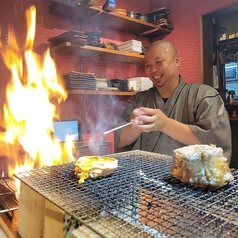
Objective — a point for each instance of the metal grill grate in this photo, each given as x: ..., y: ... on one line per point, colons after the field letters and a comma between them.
x: 8, y: 199
x: 140, y: 199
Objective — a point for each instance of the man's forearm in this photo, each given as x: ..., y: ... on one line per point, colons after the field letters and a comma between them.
x: 180, y: 132
x: 176, y: 130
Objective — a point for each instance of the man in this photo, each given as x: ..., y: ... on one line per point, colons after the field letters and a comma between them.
x: 173, y: 113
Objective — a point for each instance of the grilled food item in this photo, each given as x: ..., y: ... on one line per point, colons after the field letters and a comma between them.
x: 201, y: 165
x: 94, y: 167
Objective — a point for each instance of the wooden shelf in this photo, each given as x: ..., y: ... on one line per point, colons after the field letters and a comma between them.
x: 127, y: 24
x: 233, y: 119
x: 228, y: 41
x: 95, y: 16
x: 96, y: 92
x: 231, y: 104
x: 97, y: 53
x: 92, y: 16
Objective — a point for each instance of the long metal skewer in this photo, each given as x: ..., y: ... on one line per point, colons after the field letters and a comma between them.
x: 116, y: 128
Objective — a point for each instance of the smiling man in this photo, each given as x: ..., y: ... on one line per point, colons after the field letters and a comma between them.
x: 172, y: 113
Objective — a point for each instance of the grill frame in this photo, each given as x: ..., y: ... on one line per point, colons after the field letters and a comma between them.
x: 8, y: 199
x: 140, y: 199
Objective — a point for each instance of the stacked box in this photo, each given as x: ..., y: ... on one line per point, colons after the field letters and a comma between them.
x: 131, y: 46
x: 139, y: 83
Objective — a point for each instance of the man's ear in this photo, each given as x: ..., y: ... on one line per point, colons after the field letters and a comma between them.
x: 177, y: 60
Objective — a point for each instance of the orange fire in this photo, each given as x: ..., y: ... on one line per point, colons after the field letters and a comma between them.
x: 28, y: 113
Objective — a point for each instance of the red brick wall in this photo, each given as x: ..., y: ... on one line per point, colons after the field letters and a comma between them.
x: 186, y: 15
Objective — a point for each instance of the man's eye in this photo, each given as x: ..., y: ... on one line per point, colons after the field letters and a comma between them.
x: 158, y: 62
x: 147, y: 65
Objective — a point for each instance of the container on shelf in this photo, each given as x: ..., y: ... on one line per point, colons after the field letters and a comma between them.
x: 234, y: 115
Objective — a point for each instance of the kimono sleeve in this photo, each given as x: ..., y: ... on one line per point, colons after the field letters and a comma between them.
x: 212, y: 124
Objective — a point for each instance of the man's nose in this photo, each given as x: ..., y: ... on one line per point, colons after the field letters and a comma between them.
x: 154, y: 68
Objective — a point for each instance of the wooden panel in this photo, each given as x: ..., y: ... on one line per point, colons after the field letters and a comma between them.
x: 37, y: 216
x: 30, y: 217
x: 4, y: 230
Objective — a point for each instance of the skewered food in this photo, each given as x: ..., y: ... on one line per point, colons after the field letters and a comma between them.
x: 94, y: 167
x: 201, y: 165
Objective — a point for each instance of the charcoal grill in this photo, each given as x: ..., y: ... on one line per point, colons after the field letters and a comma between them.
x: 140, y: 199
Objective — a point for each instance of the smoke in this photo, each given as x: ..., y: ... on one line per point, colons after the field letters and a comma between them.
x: 105, y: 108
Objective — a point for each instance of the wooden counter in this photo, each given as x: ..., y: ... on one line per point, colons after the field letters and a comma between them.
x: 9, y: 226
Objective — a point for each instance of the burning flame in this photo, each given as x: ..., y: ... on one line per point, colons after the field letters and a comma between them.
x: 28, y: 113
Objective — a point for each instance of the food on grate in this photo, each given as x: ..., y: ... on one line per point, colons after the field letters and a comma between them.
x: 201, y: 165
x: 94, y: 167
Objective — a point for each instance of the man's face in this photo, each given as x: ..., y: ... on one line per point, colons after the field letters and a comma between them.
x: 161, y: 66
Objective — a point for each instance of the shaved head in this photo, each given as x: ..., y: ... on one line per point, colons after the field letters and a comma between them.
x: 163, y: 44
